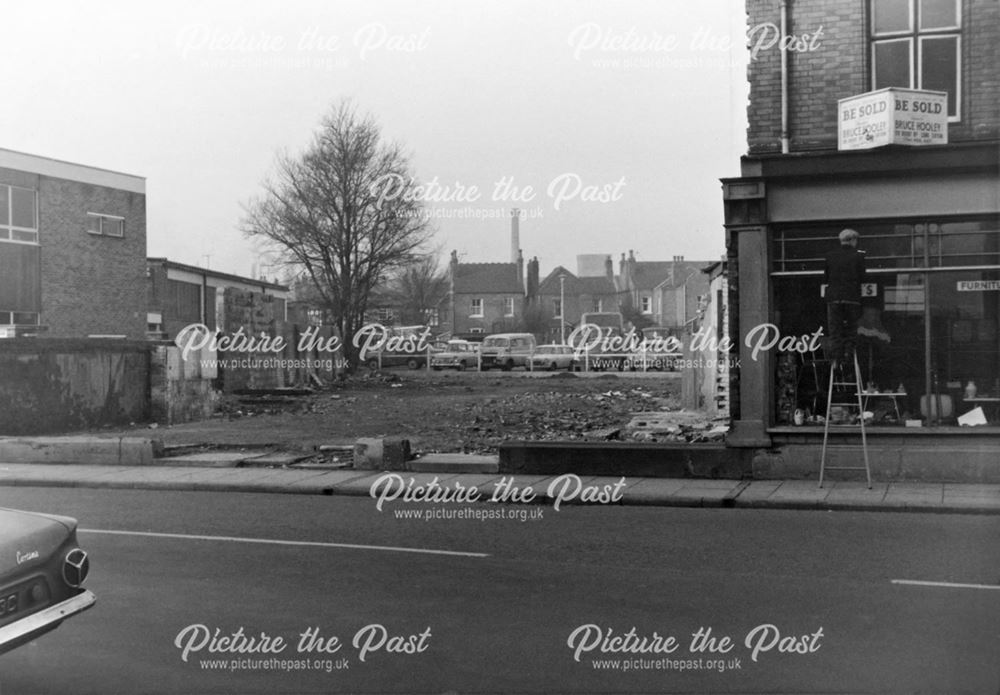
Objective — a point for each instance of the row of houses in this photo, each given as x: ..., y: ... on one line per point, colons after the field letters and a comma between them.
x: 501, y: 297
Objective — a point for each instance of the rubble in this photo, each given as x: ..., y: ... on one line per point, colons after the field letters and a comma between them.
x: 474, y: 413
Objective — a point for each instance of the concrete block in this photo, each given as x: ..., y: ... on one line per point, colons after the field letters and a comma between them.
x: 454, y: 463
x: 382, y: 453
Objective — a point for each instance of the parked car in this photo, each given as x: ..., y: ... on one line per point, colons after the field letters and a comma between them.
x: 42, y: 570
x: 457, y: 354
x: 507, y: 350
x: 553, y: 357
x: 384, y: 360
x: 397, y: 346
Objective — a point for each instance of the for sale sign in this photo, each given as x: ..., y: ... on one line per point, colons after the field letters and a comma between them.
x: 892, y: 116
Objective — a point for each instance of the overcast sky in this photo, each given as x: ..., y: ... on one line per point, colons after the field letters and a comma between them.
x: 641, y: 101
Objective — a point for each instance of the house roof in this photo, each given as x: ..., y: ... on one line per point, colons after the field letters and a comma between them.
x: 574, y: 285
x: 682, y: 271
x: 487, y: 278
x: 646, y: 275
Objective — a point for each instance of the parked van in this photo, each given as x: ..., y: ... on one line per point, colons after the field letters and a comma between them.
x: 507, y: 350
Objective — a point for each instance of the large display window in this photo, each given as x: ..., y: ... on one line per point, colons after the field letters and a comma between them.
x: 929, y: 343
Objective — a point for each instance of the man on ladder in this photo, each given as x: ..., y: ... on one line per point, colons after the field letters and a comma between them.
x: 844, y: 274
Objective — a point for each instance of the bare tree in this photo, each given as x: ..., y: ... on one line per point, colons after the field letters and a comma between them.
x: 344, y: 212
x: 418, y: 288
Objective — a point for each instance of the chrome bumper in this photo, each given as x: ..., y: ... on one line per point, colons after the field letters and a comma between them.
x: 28, y: 628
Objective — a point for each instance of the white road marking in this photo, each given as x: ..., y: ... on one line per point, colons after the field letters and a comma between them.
x: 269, y: 541
x: 946, y: 585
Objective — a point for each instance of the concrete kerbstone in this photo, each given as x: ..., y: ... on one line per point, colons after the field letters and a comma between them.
x: 99, y: 451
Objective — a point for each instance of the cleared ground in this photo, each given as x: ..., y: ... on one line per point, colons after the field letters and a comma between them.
x: 437, y: 411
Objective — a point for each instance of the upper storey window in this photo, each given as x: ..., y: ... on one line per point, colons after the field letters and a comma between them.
x: 916, y: 44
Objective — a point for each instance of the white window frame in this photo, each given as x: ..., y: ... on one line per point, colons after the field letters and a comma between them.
x: 915, y: 35
x: 508, y: 306
x: 100, y: 220
x: 7, y: 318
x: 646, y: 304
x: 9, y: 229
x: 477, y: 303
x: 557, y: 308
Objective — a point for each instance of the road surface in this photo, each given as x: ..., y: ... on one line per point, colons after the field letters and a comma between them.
x: 241, y: 593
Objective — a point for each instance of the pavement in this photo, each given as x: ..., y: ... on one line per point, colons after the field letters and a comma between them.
x: 229, y: 474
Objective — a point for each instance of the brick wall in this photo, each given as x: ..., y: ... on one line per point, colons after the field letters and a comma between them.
x: 839, y: 67
x: 493, y: 320
x: 91, y: 284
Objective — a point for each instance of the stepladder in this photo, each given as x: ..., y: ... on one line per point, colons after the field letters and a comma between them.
x: 843, y: 398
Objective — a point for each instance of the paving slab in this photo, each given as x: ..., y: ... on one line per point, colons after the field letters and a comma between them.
x: 221, y: 459
x: 857, y: 495
x: 960, y: 489
x: 276, y: 459
x: 653, y: 490
x: 326, y: 481
x: 801, y: 493
x: 756, y: 491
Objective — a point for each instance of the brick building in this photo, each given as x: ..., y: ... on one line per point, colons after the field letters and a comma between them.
x: 666, y: 293
x: 180, y: 294
x: 483, y: 298
x: 927, y: 208
x: 72, y: 249
x: 564, y: 297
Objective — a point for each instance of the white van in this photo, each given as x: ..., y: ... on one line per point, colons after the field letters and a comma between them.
x: 507, y: 350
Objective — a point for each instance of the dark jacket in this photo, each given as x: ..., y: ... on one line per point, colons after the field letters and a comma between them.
x: 844, y: 273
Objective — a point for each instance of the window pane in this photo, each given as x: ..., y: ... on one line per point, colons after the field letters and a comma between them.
x: 111, y: 226
x: 937, y: 14
x: 4, y: 205
x: 892, y: 64
x: 26, y: 318
x: 18, y: 235
x: 939, y: 68
x: 22, y: 207
x: 891, y: 15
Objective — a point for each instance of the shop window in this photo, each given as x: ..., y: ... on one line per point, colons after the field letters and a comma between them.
x: 916, y: 45
x: 929, y: 326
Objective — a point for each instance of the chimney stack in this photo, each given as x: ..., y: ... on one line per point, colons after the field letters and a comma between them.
x: 515, y: 235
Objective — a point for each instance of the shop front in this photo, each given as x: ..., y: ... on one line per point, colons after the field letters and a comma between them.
x: 929, y: 334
